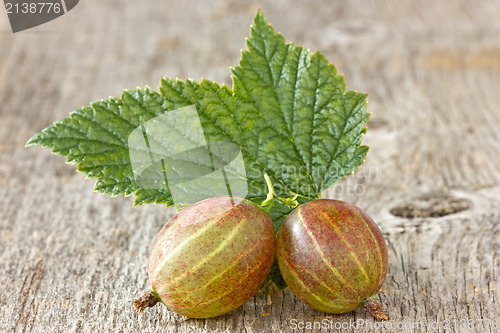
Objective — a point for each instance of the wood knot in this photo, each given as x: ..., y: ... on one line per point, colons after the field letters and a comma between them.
x: 431, y: 205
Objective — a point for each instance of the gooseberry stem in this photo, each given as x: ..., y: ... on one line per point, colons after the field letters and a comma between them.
x: 147, y: 300
x: 268, y: 203
x: 375, y: 308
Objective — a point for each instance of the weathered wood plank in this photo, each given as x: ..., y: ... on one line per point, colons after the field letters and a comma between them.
x: 72, y: 261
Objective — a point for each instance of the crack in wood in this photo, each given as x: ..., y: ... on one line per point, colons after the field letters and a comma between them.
x: 431, y: 205
x: 27, y: 297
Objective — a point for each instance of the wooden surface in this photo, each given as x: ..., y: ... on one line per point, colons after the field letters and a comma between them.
x: 72, y: 260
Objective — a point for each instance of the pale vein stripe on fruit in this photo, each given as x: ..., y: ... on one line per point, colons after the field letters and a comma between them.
x: 294, y: 248
x: 211, y: 255
x: 297, y: 279
x: 322, y: 255
x: 351, y: 251
x: 313, y: 276
x: 377, y: 245
x: 229, y: 291
x: 186, y: 241
x: 237, y: 259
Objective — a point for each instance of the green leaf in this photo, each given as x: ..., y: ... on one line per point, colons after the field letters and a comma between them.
x: 95, y: 138
x: 288, y: 111
x: 298, y: 118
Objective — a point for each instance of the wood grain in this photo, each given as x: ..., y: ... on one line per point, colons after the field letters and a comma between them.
x: 73, y: 261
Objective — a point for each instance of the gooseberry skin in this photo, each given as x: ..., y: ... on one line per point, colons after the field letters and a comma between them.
x: 331, y: 255
x: 212, y: 257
